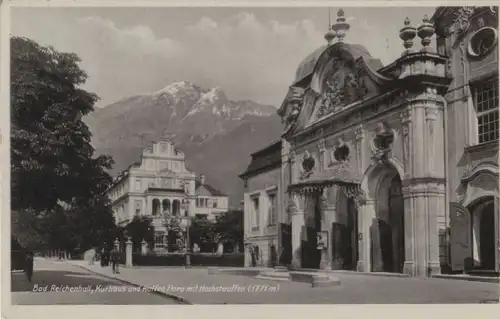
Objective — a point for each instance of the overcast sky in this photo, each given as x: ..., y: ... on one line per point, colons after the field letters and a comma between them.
x: 252, y: 53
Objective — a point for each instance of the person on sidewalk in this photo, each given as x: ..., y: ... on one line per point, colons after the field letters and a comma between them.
x: 115, y: 260
x: 28, y: 265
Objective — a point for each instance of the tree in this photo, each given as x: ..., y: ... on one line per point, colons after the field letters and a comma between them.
x: 229, y: 226
x: 141, y: 228
x: 51, y: 156
x: 52, y: 160
x: 204, y: 233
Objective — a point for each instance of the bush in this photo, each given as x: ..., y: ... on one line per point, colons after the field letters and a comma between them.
x: 197, y: 259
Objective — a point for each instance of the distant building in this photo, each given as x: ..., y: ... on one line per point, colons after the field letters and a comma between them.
x: 161, y: 184
x: 261, y: 202
x: 389, y: 168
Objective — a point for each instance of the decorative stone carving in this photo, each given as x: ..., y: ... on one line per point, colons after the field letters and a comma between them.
x: 354, y: 192
x: 295, y: 102
x: 462, y: 20
x: 382, y: 143
x: 340, y: 153
x: 342, y: 86
x: 406, y: 146
x: 431, y: 115
x: 291, y: 156
x: 359, y: 133
x: 307, y: 165
x: 321, y: 145
x: 407, y: 34
x: 425, y: 31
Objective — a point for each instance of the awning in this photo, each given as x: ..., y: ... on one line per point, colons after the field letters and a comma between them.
x: 340, y: 174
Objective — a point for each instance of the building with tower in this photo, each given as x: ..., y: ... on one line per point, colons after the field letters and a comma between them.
x: 161, y: 185
x: 394, y: 168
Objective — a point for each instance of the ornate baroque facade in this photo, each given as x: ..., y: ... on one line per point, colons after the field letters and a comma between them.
x: 395, y: 168
x: 160, y: 184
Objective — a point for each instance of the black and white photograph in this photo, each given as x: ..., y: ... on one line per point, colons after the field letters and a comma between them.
x: 251, y: 155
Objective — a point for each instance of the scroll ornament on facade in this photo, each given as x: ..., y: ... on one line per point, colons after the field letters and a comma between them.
x: 295, y: 105
x: 462, y: 21
x: 382, y: 143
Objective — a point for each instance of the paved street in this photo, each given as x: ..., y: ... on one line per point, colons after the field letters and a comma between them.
x: 355, y: 288
x: 57, y: 274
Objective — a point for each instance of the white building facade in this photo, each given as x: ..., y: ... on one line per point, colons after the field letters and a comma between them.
x: 159, y: 185
x: 395, y: 168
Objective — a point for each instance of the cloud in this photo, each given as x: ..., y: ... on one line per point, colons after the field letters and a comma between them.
x: 137, y: 40
x: 250, y: 58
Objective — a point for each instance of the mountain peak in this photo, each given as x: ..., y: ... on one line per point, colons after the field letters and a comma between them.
x: 175, y: 87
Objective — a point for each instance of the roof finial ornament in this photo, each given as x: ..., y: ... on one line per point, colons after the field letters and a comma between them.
x: 407, y: 34
x: 341, y: 26
x: 425, y: 31
x: 330, y: 34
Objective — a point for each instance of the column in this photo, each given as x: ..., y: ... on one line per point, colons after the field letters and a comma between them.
x: 298, y: 224
x: 365, y: 215
x: 363, y: 224
x: 327, y: 213
x: 424, y: 183
x: 372, y: 248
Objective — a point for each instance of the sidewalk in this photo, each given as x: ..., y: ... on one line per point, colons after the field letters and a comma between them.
x: 354, y: 289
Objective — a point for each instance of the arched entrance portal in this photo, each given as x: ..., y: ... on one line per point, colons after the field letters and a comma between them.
x: 387, y: 228
x: 483, y: 233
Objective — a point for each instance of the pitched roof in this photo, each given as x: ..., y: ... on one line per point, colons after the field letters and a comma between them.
x: 264, y: 159
x: 214, y: 191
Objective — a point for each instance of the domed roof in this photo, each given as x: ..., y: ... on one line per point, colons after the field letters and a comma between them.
x: 306, y: 67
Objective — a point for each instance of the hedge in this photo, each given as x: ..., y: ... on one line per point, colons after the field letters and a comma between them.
x: 197, y: 259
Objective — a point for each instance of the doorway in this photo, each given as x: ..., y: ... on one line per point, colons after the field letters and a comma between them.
x: 388, y: 245
x: 483, y: 234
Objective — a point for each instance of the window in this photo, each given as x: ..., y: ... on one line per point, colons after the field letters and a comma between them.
x: 272, y: 209
x: 138, y: 205
x: 486, y: 104
x: 214, y: 203
x: 156, y: 206
x: 138, y: 184
x: 256, y: 212
x: 159, y: 242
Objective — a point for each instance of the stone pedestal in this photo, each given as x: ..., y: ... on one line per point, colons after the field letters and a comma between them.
x: 128, y: 253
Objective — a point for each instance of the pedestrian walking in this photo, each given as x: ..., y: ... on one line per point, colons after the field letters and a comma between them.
x: 115, y: 260
x: 28, y: 265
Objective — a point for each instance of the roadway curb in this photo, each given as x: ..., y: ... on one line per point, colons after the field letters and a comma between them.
x: 160, y: 293
x: 494, y: 280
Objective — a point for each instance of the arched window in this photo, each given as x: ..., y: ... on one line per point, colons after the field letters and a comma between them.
x: 176, y: 207
x: 166, y: 206
x: 156, y: 206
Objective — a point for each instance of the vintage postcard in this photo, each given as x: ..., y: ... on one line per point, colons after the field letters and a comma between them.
x: 248, y: 154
